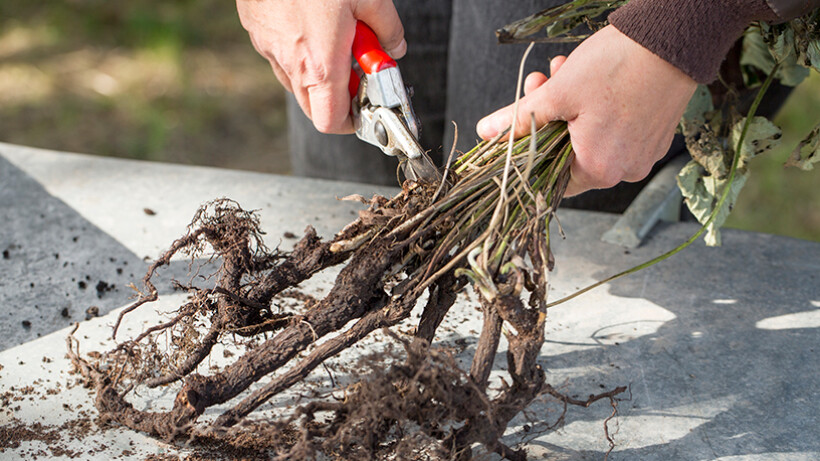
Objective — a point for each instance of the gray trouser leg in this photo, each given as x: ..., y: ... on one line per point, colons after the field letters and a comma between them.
x: 482, y: 75
x: 313, y: 154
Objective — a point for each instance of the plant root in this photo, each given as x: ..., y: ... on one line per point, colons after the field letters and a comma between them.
x: 423, y: 241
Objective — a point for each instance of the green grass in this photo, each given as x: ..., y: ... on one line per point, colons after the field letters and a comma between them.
x: 165, y: 81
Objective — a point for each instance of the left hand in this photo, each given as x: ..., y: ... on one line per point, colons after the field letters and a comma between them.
x: 622, y: 104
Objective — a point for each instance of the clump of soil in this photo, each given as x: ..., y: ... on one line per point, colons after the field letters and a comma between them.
x: 91, y: 312
x: 422, y: 406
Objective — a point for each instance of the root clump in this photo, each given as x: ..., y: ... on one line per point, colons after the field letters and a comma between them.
x: 487, y: 226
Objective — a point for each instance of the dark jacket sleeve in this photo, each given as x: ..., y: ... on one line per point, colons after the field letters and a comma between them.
x: 695, y: 35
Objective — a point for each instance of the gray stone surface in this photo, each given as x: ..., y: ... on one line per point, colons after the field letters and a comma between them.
x: 53, y: 262
x: 73, y: 221
x: 718, y: 345
x: 735, y: 371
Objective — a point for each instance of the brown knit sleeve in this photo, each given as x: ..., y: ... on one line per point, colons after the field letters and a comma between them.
x: 693, y: 35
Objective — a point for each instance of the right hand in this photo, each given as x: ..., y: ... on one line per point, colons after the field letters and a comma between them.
x: 621, y: 102
x: 308, y: 44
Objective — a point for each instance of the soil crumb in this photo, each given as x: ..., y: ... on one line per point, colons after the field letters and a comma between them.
x: 91, y: 312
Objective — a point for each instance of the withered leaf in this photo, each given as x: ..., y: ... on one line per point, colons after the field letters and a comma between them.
x: 763, y: 136
x: 807, y: 153
x: 762, y: 50
x: 695, y: 114
x: 354, y: 198
x: 703, y: 184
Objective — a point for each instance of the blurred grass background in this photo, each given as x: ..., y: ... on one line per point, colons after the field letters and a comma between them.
x: 780, y: 200
x: 180, y: 82
x: 156, y: 80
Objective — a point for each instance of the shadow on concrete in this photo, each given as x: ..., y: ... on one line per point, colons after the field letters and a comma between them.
x: 55, y: 264
x: 735, y: 374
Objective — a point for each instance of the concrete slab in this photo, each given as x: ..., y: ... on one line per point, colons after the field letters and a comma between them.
x: 76, y: 220
x: 719, y: 346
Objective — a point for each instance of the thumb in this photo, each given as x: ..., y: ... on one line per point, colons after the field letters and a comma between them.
x: 541, y: 102
x: 383, y: 18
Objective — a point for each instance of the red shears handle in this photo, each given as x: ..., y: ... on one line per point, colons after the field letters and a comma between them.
x: 368, y: 52
x: 370, y: 55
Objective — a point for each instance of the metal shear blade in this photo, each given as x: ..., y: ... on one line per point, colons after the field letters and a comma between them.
x: 382, y: 113
x: 383, y: 117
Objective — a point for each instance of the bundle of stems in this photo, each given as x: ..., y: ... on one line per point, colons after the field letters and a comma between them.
x: 498, y: 210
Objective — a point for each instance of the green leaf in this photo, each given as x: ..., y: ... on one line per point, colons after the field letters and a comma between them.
x: 807, y: 153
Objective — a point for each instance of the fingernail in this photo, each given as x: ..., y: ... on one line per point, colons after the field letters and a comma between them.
x: 398, y: 51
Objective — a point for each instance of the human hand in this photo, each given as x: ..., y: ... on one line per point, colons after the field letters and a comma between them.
x: 621, y: 102
x: 308, y: 44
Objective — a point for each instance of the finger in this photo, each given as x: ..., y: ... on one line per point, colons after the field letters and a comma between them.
x: 317, y: 102
x: 326, y: 84
x: 303, y: 99
x: 588, y: 173
x: 382, y: 17
x: 280, y: 74
x: 330, y: 109
x: 265, y: 51
x: 329, y: 106
x: 580, y: 180
x: 556, y: 63
x: 545, y: 104
x: 399, y: 51
x: 320, y: 78
x: 638, y: 172
x: 533, y: 81
x: 583, y: 178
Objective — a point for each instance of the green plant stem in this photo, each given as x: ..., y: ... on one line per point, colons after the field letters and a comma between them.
x: 723, y: 197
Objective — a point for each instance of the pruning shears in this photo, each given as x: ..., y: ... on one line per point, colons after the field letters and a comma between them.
x: 382, y: 114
